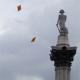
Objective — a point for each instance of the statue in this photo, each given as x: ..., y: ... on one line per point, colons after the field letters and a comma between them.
x: 61, y: 23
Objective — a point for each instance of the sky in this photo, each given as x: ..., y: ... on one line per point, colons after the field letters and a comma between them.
x: 19, y: 58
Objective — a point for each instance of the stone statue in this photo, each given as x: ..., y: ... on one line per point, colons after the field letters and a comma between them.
x: 61, y: 23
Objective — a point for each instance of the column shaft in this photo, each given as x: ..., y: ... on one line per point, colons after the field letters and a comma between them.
x: 62, y: 73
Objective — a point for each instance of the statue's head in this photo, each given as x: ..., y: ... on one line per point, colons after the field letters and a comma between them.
x: 61, y: 11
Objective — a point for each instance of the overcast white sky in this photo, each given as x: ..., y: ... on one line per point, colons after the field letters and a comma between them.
x: 19, y: 58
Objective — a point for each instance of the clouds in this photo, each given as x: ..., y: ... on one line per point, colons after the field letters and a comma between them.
x: 19, y: 59
x: 24, y: 77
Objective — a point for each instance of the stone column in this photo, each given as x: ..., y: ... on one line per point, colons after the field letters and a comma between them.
x: 62, y: 54
x: 62, y: 73
x: 62, y: 57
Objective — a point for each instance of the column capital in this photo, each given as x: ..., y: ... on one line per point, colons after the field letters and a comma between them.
x: 62, y: 56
